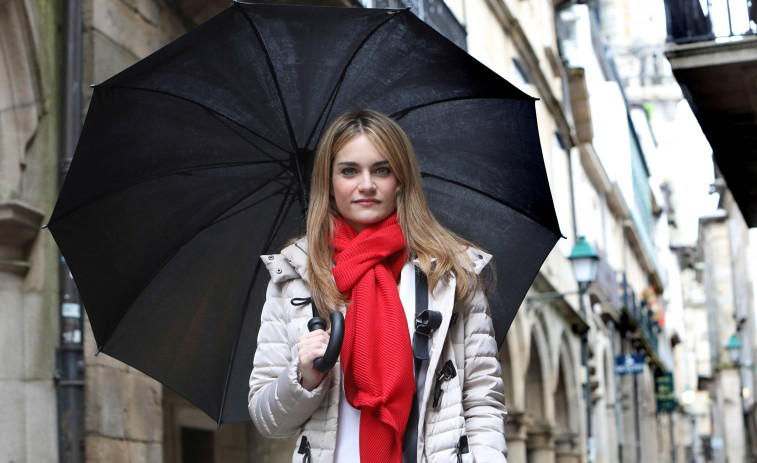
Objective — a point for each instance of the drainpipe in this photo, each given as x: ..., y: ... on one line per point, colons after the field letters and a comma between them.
x: 69, y: 375
x: 618, y: 412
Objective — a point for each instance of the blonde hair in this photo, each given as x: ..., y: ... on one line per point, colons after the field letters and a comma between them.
x: 426, y: 238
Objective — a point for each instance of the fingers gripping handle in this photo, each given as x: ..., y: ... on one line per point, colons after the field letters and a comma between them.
x: 325, y: 363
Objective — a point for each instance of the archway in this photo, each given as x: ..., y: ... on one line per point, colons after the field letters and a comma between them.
x: 540, y: 442
x: 567, y: 396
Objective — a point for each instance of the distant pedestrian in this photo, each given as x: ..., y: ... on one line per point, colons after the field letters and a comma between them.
x: 419, y: 377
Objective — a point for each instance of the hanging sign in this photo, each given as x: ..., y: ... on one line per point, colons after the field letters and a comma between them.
x: 664, y: 393
x: 629, y: 364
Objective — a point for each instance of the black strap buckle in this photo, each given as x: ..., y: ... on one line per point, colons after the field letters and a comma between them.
x: 425, y: 323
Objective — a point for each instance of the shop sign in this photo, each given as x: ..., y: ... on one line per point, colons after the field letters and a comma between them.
x: 664, y: 393
x: 629, y: 364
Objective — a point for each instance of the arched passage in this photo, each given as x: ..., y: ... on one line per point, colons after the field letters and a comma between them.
x: 540, y: 443
x: 567, y: 395
x: 535, y: 396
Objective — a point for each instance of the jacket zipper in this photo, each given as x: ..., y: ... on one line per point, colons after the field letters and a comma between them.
x: 447, y: 372
x: 304, y: 450
x: 462, y: 447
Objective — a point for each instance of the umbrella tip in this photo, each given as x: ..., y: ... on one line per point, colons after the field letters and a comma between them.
x: 45, y: 226
x: 98, y: 350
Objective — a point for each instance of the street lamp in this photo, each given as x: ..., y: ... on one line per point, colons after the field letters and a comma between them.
x: 585, y: 263
x: 733, y: 347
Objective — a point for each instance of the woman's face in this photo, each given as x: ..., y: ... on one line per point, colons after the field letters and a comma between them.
x: 362, y: 183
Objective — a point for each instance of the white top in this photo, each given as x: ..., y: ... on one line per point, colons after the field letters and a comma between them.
x: 348, y: 425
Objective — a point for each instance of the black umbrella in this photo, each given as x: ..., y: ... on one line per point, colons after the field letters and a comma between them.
x: 195, y: 160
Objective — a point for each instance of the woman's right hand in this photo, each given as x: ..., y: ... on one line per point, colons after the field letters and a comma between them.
x: 311, y: 346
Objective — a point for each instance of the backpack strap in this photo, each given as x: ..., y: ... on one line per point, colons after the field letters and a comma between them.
x: 426, y: 321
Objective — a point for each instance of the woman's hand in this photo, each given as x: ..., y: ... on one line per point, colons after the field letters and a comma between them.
x: 312, y: 345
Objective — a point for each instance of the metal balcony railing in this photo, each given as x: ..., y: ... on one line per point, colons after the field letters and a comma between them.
x: 434, y: 12
x: 700, y: 20
x: 641, y: 315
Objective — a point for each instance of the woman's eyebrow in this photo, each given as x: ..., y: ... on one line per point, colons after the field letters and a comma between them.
x: 353, y: 163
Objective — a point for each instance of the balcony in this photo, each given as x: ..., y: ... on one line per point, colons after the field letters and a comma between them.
x: 713, y: 52
x: 639, y: 321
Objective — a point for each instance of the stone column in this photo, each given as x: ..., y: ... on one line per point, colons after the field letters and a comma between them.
x: 24, y: 395
x: 567, y: 449
x: 541, y: 444
x: 516, y: 434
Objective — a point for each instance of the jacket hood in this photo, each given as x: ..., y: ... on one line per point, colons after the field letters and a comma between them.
x: 290, y: 264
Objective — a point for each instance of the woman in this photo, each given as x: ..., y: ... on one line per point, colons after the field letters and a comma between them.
x: 368, y: 230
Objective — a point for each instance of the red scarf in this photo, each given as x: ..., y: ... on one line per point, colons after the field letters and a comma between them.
x: 377, y: 357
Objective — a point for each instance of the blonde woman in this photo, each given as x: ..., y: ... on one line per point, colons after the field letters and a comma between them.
x: 418, y: 378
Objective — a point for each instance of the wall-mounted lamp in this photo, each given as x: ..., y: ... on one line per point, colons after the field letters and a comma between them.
x: 733, y: 347
x: 585, y: 264
x: 688, y: 396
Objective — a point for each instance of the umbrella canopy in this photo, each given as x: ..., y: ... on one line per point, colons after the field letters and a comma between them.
x: 196, y: 160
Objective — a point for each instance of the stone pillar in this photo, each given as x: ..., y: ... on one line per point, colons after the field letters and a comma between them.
x: 28, y: 429
x: 541, y: 444
x: 516, y: 434
x: 567, y: 448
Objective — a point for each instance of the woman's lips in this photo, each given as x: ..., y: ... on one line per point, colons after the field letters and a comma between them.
x: 366, y: 202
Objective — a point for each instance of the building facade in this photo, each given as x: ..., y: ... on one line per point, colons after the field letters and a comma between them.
x: 565, y: 399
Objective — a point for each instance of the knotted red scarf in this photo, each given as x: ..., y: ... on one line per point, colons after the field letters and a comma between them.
x: 377, y: 357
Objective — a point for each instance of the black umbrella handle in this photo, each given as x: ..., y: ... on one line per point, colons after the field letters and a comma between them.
x: 326, y: 363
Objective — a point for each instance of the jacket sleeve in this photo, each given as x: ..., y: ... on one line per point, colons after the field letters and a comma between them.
x: 483, y: 388
x: 277, y: 402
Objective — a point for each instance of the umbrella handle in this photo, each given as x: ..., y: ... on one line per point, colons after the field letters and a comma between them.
x: 325, y: 363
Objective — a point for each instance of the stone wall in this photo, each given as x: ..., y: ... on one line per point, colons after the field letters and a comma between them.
x: 28, y: 262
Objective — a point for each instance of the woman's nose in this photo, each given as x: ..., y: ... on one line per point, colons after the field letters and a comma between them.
x: 366, y: 182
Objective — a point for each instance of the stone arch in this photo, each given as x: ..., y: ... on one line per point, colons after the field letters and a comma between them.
x: 537, y: 375
x: 606, y: 424
x: 567, y: 397
x: 538, y: 399
x: 19, y: 96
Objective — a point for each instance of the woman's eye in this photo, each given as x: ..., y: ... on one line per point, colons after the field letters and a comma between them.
x: 383, y: 171
x: 349, y: 171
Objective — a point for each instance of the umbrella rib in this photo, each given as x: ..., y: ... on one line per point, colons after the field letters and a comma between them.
x: 335, y: 91
x: 266, y: 198
x: 275, y: 79
x: 272, y: 232
x: 400, y: 114
x: 483, y: 193
x: 186, y: 171
x: 282, y: 212
x: 206, y: 108
x: 173, y: 254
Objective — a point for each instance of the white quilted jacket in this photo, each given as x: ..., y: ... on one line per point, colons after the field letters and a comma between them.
x: 471, y: 404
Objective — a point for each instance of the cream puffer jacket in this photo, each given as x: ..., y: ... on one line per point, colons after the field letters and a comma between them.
x: 471, y: 406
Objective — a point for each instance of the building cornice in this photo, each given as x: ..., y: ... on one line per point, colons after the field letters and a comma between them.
x: 512, y: 27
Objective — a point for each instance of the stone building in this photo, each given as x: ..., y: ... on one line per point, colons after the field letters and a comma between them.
x: 712, y: 52
x: 565, y: 401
